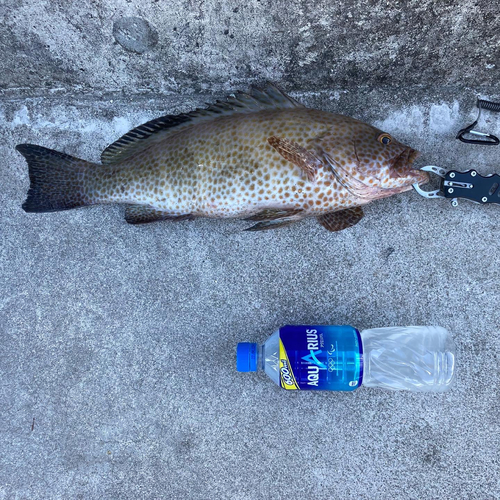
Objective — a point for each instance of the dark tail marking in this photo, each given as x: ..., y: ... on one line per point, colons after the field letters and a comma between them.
x: 56, y: 179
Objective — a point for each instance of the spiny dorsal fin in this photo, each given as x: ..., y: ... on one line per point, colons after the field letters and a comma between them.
x: 144, y: 136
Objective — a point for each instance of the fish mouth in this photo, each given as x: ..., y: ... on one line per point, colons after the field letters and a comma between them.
x: 403, y: 166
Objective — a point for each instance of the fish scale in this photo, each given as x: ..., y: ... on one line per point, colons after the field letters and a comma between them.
x: 259, y: 156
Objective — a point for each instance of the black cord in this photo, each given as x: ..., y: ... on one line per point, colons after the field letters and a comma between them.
x: 490, y: 106
x: 465, y: 134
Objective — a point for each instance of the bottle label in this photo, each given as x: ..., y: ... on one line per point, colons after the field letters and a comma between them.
x: 320, y: 358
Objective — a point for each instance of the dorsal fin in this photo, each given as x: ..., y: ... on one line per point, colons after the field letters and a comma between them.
x: 142, y: 137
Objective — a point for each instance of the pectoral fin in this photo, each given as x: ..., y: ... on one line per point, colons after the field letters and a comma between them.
x: 273, y: 214
x: 306, y: 160
x: 336, y: 221
x: 274, y: 224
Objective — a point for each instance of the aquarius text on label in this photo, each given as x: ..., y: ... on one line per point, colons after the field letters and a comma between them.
x: 312, y: 340
x: 312, y: 375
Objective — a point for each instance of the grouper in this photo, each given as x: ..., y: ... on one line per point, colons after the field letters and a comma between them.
x: 259, y: 156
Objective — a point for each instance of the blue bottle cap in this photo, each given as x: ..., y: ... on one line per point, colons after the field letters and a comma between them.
x: 246, y: 357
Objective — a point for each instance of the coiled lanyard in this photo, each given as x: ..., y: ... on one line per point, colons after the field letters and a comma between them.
x: 486, y: 139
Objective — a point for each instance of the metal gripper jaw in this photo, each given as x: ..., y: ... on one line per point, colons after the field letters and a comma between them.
x: 468, y: 185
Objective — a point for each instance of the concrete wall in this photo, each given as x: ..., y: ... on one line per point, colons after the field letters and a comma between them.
x: 184, y: 47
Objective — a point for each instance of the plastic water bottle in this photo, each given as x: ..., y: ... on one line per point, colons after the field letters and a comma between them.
x: 340, y: 358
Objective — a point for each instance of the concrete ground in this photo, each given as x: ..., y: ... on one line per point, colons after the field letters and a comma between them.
x: 117, y: 343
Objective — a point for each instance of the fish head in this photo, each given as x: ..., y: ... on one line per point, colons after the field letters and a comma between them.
x: 369, y: 158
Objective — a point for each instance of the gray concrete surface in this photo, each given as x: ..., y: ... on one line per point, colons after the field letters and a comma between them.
x: 117, y: 343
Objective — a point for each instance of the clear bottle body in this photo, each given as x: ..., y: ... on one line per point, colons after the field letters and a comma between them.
x: 416, y: 358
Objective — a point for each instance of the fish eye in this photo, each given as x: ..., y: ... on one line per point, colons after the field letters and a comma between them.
x: 384, y: 139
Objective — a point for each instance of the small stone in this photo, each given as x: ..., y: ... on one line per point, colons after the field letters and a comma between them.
x: 135, y: 34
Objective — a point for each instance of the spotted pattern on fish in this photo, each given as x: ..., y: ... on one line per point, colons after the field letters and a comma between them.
x: 241, y: 162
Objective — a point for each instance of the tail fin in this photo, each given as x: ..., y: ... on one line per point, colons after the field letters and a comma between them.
x: 56, y: 179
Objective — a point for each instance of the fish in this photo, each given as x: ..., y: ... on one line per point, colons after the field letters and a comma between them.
x: 259, y: 156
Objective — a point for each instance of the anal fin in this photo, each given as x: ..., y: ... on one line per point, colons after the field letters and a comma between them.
x: 141, y: 214
x: 336, y: 221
